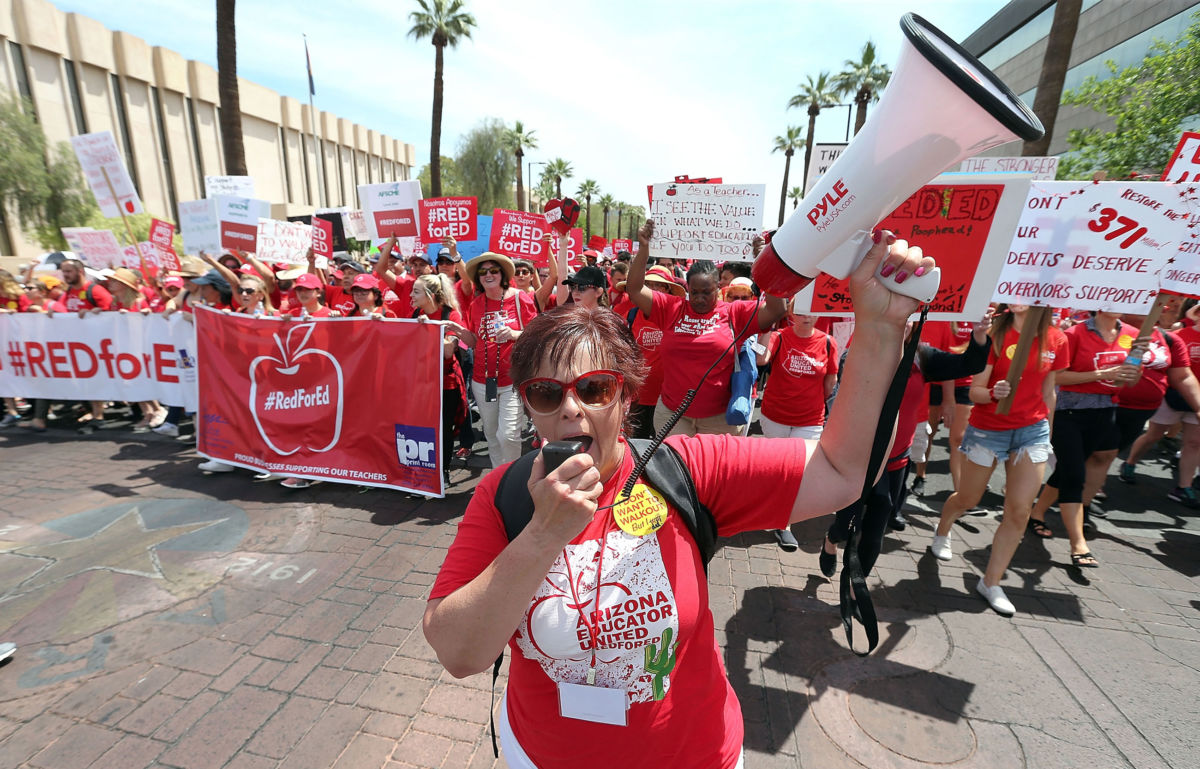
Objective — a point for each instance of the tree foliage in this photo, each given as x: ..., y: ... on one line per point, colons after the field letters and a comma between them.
x: 1151, y: 104
x: 486, y: 167
x: 451, y: 184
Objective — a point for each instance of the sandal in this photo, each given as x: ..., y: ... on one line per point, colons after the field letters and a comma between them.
x: 1040, y: 529
x: 1084, y: 560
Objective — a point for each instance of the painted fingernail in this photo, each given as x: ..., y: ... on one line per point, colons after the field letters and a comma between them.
x: 887, y: 270
x: 918, y: 272
x: 877, y: 236
x: 891, y: 238
x: 901, y: 276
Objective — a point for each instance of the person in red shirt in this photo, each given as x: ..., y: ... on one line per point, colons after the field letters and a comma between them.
x: 1020, y: 439
x: 696, y: 331
x: 802, y: 378
x: 253, y: 298
x: 337, y: 292
x: 950, y: 402
x: 308, y: 298
x: 368, y: 299
x: 649, y: 338
x: 80, y: 293
x: 433, y: 299
x: 124, y: 287
x: 214, y: 290
x: 589, y: 593
x: 13, y: 296
x: 418, y: 264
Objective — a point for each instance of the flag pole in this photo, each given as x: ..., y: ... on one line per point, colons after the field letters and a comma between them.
x: 319, y: 150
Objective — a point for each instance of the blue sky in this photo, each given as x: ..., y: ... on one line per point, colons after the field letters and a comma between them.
x: 630, y: 93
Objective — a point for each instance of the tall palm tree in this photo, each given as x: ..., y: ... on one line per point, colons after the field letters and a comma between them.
x: 559, y: 169
x: 445, y: 23
x: 816, y: 94
x: 1054, y: 69
x: 865, y: 79
x: 586, y: 191
x: 637, y: 215
x: 606, y: 204
x: 787, y: 144
x: 518, y: 141
x: 620, y: 210
x: 227, y: 87
x: 795, y: 193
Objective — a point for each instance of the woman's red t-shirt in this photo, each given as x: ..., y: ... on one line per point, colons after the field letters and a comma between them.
x: 492, y: 358
x: 1166, y: 352
x: 795, y: 394
x: 1087, y: 351
x: 1028, y: 407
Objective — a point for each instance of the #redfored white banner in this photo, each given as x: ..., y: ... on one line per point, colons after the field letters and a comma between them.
x: 449, y: 217
x: 311, y: 399
x: 102, y: 356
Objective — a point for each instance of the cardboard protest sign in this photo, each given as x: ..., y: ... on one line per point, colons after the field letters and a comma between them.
x: 471, y: 248
x: 706, y: 221
x: 1042, y: 168
x: 391, y: 208
x: 106, y: 174
x: 322, y: 237
x: 199, y: 226
x: 964, y: 223
x: 1184, y: 165
x: 229, y: 186
x: 286, y: 242
x: 821, y: 159
x: 71, y: 235
x: 355, y: 224
x: 449, y: 217
x: 1093, y: 246
x: 238, y: 219
x: 518, y: 234
x: 622, y: 244
x: 99, y: 249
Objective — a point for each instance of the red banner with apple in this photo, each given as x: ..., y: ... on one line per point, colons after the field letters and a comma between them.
x: 311, y: 399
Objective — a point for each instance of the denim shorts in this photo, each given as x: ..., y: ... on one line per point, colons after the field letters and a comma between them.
x: 983, y: 447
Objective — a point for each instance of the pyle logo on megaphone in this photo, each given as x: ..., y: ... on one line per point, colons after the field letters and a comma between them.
x: 940, y: 107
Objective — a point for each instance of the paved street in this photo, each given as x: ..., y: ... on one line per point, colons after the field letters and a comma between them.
x: 168, y: 618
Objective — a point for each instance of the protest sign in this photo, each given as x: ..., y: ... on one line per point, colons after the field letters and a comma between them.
x: 133, y: 256
x: 449, y: 217
x: 1181, y: 273
x: 162, y: 236
x: 99, y: 249
x: 597, y: 243
x: 1042, y: 168
x: 819, y: 162
x: 285, y: 242
x: 238, y: 219
x: 622, y: 244
x: 103, y: 356
x: 574, y: 250
x: 337, y: 234
x: 518, y: 234
x: 71, y: 235
x: 199, y: 227
x: 106, y: 174
x: 391, y: 208
x: 706, y: 221
x: 966, y: 223
x: 322, y: 237
x: 1184, y: 165
x: 355, y: 224
x: 1093, y: 246
x: 228, y: 186
x: 278, y: 396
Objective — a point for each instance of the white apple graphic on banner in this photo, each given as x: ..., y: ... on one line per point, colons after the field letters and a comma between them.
x: 296, y: 397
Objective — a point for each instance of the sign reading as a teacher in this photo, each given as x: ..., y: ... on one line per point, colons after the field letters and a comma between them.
x: 716, y: 222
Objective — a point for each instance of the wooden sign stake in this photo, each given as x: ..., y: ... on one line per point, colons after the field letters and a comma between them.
x: 1033, y: 319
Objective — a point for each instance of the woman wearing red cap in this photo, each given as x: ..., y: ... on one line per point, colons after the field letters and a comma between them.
x: 368, y: 298
x: 308, y: 298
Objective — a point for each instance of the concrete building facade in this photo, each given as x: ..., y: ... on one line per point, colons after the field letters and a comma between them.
x: 163, y: 111
x: 1013, y: 43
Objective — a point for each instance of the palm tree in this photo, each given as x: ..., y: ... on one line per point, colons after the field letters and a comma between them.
x: 787, y: 144
x: 518, y: 141
x: 445, y: 23
x: 586, y: 191
x: 559, y: 169
x: 1054, y: 69
x: 795, y: 193
x: 227, y: 87
x: 620, y: 210
x: 865, y: 79
x: 606, y: 204
x: 816, y: 94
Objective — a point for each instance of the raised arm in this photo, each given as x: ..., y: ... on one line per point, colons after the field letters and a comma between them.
x: 381, y: 267
x: 635, y: 282
x: 264, y: 272
x: 229, y: 275
x: 542, y: 294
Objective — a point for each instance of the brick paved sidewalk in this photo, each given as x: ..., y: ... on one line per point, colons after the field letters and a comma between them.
x: 167, y: 618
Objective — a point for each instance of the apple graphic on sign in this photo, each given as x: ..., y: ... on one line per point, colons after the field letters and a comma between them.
x: 296, y: 397
x: 129, y: 206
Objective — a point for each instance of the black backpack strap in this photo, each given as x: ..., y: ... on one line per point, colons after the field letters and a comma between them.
x: 631, y: 317
x: 669, y: 476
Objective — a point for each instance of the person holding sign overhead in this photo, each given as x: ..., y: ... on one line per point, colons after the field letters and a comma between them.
x: 602, y: 596
x: 1019, y: 438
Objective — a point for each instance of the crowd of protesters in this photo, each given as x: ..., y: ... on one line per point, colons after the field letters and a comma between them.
x: 1087, y: 390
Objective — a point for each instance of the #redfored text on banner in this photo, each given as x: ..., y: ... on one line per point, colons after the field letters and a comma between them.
x: 518, y: 234
x: 312, y: 400
x: 964, y: 223
x: 449, y: 217
x: 1093, y: 246
x: 101, y: 356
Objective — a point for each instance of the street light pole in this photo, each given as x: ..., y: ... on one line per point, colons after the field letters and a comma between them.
x: 529, y: 176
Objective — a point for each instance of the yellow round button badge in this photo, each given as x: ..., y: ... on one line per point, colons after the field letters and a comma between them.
x: 643, y: 513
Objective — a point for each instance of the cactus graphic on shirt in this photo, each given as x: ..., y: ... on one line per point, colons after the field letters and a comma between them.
x: 661, y: 663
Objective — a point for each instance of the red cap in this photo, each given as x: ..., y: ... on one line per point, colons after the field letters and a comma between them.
x: 246, y: 269
x: 365, y: 280
x: 308, y: 280
x: 337, y: 274
x: 173, y: 282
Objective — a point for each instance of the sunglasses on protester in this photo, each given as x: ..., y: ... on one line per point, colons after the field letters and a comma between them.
x: 490, y: 271
x: 594, y: 390
x: 247, y: 291
x: 524, y: 271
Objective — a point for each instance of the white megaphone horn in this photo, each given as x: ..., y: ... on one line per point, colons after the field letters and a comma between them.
x: 941, y: 107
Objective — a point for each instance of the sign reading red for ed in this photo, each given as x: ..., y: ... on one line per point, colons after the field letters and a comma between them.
x: 280, y: 396
x: 518, y: 234
x: 449, y: 217
x: 965, y: 225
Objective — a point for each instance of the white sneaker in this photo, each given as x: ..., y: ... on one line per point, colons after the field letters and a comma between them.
x: 996, y: 598
x: 7, y: 650
x: 940, y: 547
x: 213, y: 466
x: 166, y: 428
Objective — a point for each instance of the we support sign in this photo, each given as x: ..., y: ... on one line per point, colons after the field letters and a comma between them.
x: 287, y: 397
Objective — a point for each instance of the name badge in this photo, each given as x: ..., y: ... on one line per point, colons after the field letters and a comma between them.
x: 592, y: 703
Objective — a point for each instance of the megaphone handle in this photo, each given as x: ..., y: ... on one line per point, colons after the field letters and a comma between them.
x: 923, y: 288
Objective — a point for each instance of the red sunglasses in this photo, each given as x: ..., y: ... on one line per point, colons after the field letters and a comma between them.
x: 594, y: 390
